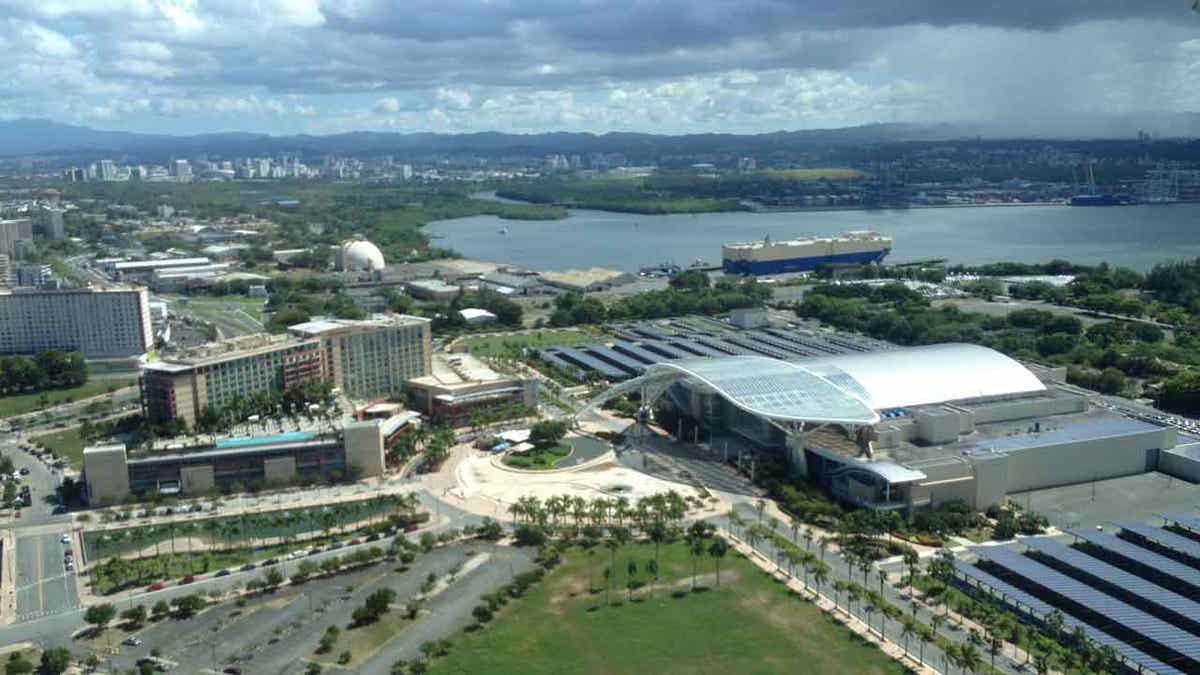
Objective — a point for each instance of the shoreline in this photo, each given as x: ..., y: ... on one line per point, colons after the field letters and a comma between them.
x: 490, y: 196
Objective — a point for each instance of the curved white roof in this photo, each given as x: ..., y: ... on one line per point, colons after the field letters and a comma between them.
x: 771, y: 388
x: 846, y: 389
x: 361, y: 255
x: 929, y: 374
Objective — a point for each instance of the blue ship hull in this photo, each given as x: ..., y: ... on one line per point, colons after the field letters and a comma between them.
x: 810, y: 264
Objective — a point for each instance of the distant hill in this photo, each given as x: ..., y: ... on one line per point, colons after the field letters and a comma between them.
x: 23, y: 137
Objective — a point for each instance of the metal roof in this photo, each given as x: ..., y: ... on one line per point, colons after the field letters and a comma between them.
x: 930, y: 374
x: 1150, y: 592
x: 1042, y: 609
x: 1111, y: 609
x: 1175, y: 542
x: 1107, y: 427
x: 772, y: 388
x: 1130, y: 551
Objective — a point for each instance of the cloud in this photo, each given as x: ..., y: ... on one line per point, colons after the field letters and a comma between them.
x: 664, y: 65
x: 389, y: 104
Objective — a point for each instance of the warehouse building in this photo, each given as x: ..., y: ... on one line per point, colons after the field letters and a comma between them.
x: 99, y: 323
x: 902, y: 428
x: 112, y: 474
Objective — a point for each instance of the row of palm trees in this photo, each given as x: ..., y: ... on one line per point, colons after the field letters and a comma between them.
x: 666, y: 508
x: 999, y: 626
x: 250, y: 529
x: 966, y: 656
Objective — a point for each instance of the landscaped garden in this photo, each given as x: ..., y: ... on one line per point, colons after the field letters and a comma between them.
x: 140, y: 554
x: 538, y: 459
x: 586, y: 617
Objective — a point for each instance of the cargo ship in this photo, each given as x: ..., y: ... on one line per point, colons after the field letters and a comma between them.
x: 804, y: 254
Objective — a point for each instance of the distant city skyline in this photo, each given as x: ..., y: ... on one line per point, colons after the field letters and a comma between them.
x: 328, y: 66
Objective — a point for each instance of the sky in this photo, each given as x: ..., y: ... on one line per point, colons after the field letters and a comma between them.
x: 524, y: 66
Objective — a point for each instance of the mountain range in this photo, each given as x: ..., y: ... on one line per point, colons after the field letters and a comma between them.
x: 33, y: 137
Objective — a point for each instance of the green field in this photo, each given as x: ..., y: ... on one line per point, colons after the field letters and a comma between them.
x: 509, y: 345
x: 824, y: 173
x: 233, y: 314
x: 749, y: 624
x: 67, y: 444
x: 23, y: 403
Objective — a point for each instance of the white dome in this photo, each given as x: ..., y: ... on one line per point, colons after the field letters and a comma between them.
x: 360, y: 255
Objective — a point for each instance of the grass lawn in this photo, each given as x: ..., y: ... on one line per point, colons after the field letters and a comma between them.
x: 538, y: 459
x: 749, y: 624
x: 23, y: 403
x: 364, y: 641
x: 509, y: 345
x: 67, y: 444
x: 826, y: 173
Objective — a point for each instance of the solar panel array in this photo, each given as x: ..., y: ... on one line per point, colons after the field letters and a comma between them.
x: 1028, y: 603
x: 1160, y: 563
x: 1115, y: 611
x: 643, y: 343
x: 1131, y: 583
x: 1175, y: 542
x: 1185, y: 520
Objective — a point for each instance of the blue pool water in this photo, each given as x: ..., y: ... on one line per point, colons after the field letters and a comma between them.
x: 285, y: 437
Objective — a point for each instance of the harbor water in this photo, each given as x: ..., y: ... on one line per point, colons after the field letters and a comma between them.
x: 1130, y: 236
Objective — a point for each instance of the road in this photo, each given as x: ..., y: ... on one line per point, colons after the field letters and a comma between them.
x: 44, y: 586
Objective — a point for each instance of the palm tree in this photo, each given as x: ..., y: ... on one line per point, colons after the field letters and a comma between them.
x: 968, y: 657
x: 717, y: 549
x: 820, y: 575
x: 907, y: 630
x: 630, y: 577
x: 950, y: 656
x: 937, y: 622
x: 995, y: 644
x: 658, y: 534
x: 612, y: 544
x: 911, y: 559
x: 925, y: 636
x: 838, y: 587
x: 854, y: 591
x: 696, y: 546
x: 882, y: 578
x: 868, y: 611
x: 808, y: 540
x: 1041, y: 662
x: 760, y: 506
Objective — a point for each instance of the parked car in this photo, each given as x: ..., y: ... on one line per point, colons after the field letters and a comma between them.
x: 221, y: 573
x: 66, y: 538
x: 355, y: 542
x: 24, y: 471
x: 187, y: 580
x: 157, y: 586
x: 247, y: 567
x: 270, y: 561
x: 132, y: 641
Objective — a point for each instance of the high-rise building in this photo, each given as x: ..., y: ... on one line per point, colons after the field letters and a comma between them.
x: 366, y: 359
x: 98, y: 323
x: 15, y: 235
x: 50, y: 222
x: 372, y: 359
x: 181, y: 169
x: 108, y: 170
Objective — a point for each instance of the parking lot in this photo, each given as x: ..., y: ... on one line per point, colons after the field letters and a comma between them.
x: 276, y: 632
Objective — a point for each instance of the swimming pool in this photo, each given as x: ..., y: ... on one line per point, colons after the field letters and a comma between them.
x: 289, y: 436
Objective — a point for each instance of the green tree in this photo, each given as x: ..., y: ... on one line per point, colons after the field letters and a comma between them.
x: 100, y: 615
x: 718, y: 549
x: 55, y: 661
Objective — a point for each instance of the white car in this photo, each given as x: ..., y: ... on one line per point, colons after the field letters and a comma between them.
x: 66, y: 538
